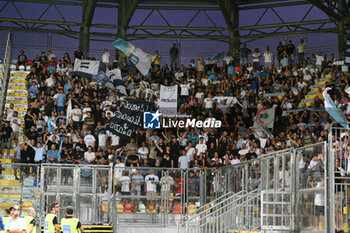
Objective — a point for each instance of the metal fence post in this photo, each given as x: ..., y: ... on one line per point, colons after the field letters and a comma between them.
x: 330, y: 184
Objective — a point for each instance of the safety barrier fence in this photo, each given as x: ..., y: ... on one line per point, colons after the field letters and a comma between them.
x: 163, y: 196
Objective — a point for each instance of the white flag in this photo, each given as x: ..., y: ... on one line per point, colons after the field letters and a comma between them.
x: 168, y: 100
x: 87, y: 67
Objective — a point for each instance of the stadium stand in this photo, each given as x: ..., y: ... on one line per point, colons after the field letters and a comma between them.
x: 224, y: 92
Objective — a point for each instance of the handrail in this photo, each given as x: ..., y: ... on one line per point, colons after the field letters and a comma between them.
x: 7, y: 59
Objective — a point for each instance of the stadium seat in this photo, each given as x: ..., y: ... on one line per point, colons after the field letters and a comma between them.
x: 26, y: 205
x: 128, y: 208
x: 191, y: 209
x: 177, y: 209
x: 120, y: 208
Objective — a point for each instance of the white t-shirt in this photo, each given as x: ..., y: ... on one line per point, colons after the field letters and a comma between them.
x: 319, y: 197
x: 143, y: 151
x: 268, y: 56
x: 208, y: 103
x: 75, y: 114
x: 256, y: 55
x: 9, y: 114
x: 319, y: 60
x: 307, y: 77
x: 301, y: 47
x: 189, y: 153
x: 50, y: 82
x: 125, y: 181
x: 151, y: 183
x: 14, y: 126
x: 166, y: 182
x: 301, y: 85
x: 89, y: 140
x: 89, y: 156
x: 227, y: 59
x: 102, y: 138
x: 115, y: 140
x: 105, y: 57
x: 201, y: 148
x: 199, y: 95
x: 185, y: 89
x: 183, y: 161
x: 118, y: 170
x: 20, y: 223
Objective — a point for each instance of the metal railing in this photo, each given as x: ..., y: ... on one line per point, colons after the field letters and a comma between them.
x: 164, y: 197
x: 6, y: 74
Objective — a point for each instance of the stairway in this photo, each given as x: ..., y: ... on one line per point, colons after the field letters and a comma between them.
x: 313, y: 91
x: 14, y: 191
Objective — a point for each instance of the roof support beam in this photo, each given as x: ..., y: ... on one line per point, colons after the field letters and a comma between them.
x: 325, y: 9
x: 88, y: 13
x: 330, y: 30
x: 126, y: 10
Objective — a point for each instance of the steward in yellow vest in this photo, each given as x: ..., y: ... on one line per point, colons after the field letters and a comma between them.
x: 31, y: 222
x: 70, y: 224
x: 51, y: 222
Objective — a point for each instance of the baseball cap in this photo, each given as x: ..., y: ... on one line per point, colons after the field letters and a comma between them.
x: 15, y: 207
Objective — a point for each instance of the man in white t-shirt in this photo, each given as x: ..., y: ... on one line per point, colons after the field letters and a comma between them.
x: 256, y: 59
x: 16, y: 224
x: 319, y: 61
x: 119, y: 167
x: 151, y: 186
x: 208, y: 103
x: 106, y: 57
x: 268, y: 58
x: 15, y: 124
x: 76, y: 115
x: 183, y: 160
x: 89, y: 140
x: 102, y: 140
x: 201, y: 147
x: 185, y: 89
x: 190, y: 151
x: 301, y: 49
x: 228, y: 58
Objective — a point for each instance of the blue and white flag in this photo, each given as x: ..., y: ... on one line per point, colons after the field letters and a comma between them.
x: 51, y: 125
x: 139, y: 58
x: 332, y: 109
x: 215, y: 58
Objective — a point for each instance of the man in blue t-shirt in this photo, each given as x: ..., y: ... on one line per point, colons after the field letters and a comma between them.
x: 60, y: 100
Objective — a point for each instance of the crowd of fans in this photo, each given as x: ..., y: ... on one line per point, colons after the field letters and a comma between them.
x: 51, y: 84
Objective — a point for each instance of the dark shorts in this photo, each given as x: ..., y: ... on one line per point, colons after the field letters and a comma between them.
x: 319, y: 210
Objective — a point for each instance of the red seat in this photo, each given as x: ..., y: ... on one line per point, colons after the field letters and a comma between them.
x: 29, y: 62
x: 128, y: 208
x: 177, y: 209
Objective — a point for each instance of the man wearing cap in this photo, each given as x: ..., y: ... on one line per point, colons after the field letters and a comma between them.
x: 15, y: 224
x: 30, y: 219
x: 51, y: 222
x: 70, y: 224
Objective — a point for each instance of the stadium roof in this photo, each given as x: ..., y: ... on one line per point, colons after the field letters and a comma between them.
x: 226, y: 20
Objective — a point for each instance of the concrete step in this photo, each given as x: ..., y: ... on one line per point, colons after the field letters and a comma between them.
x: 310, y: 97
x: 18, y: 73
x: 17, y: 94
x: 16, y: 80
x: 318, y: 86
x: 18, y: 84
x: 9, y: 183
x: 315, y: 89
x: 17, y: 91
x: 14, y: 87
x: 17, y: 102
x: 306, y: 100
x: 8, y: 97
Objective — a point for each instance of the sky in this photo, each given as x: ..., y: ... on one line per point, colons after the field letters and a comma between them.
x: 209, y: 18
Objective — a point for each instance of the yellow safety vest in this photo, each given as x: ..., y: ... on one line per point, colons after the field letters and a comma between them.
x: 5, y: 219
x: 28, y: 220
x: 69, y: 225
x: 48, y: 223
